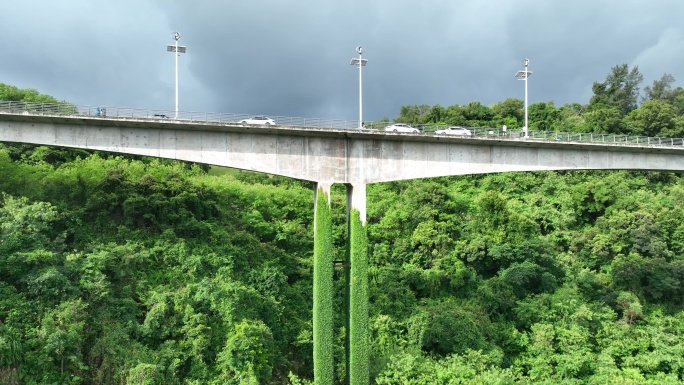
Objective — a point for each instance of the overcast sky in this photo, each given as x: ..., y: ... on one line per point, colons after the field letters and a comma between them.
x: 291, y: 57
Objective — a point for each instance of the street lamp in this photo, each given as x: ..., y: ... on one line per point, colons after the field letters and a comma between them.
x: 178, y: 50
x: 523, y: 75
x: 360, y: 62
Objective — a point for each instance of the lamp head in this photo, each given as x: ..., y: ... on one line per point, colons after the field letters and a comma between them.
x: 176, y: 36
x: 526, y: 62
x: 359, y: 50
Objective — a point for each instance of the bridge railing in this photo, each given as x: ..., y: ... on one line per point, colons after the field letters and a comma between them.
x: 494, y: 133
x: 67, y: 109
x: 133, y: 113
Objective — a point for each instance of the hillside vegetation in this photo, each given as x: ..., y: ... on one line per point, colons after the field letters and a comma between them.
x: 129, y: 270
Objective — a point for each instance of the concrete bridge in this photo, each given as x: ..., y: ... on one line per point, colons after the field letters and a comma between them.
x: 327, y: 156
x: 334, y: 155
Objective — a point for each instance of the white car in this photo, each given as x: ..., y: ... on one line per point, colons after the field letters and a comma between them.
x: 258, y: 120
x: 401, y: 127
x: 455, y: 131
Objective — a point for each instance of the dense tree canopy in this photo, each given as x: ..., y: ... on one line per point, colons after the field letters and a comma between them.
x: 620, y: 89
x: 14, y: 94
x: 613, y: 109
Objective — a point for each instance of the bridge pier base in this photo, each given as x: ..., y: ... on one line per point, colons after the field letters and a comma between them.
x: 356, y: 288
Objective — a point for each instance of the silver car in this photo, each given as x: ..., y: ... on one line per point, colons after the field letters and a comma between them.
x: 401, y: 127
x: 461, y: 131
x: 258, y: 120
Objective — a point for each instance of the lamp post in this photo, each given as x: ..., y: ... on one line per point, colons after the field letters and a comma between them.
x: 360, y: 62
x: 523, y: 75
x: 178, y: 50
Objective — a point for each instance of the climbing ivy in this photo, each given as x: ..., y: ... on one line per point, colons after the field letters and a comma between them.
x: 358, y: 309
x: 323, y: 292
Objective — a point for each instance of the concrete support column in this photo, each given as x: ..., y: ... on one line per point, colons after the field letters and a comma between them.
x: 323, y: 288
x: 356, y: 289
x: 358, y: 350
x: 356, y: 199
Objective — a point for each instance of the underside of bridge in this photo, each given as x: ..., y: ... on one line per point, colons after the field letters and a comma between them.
x: 356, y: 293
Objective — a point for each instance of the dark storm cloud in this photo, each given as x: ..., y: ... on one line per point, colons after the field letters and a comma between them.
x: 292, y: 58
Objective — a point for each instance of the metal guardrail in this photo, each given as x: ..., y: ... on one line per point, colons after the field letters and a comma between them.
x: 66, y: 109
x: 575, y: 137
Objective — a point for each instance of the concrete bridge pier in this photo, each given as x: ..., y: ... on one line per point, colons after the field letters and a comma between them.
x: 358, y: 340
x: 356, y: 288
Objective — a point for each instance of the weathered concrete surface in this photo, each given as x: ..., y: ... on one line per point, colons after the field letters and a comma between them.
x: 330, y: 155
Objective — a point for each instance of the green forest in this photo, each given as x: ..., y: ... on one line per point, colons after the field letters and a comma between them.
x: 133, y: 270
